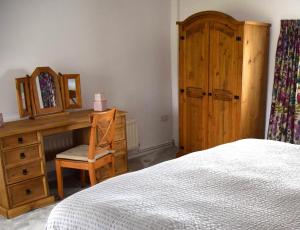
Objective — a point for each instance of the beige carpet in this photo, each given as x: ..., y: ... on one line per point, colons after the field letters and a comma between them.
x: 35, y: 220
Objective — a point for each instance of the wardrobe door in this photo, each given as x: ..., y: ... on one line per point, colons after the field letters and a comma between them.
x: 223, y: 83
x: 193, y: 86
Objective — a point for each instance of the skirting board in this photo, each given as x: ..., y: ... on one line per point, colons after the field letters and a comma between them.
x: 142, y: 152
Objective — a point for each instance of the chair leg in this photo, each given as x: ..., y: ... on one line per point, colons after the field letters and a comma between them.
x: 92, y: 174
x: 82, y: 178
x: 59, y: 178
x: 113, y: 170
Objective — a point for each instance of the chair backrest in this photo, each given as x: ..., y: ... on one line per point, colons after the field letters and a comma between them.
x: 102, y: 132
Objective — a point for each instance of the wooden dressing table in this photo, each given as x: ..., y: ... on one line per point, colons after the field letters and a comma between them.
x: 23, y: 174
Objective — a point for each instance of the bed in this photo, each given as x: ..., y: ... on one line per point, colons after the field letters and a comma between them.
x: 248, y: 184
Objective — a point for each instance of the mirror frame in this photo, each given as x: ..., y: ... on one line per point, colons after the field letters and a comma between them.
x: 65, y: 91
x: 24, y: 112
x: 37, y: 110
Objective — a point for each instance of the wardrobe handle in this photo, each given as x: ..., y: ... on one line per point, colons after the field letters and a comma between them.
x: 182, y: 91
x: 203, y: 93
x: 236, y: 97
x: 209, y: 94
x: 22, y: 156
x: 20, y: 140
x: 28, y: 191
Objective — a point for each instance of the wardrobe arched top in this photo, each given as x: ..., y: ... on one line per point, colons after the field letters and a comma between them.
x: 217, y: 16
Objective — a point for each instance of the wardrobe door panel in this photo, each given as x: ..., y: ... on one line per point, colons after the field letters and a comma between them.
x: 196, y: 123
x: 223, y: 80
x: 194, y: 58
x: 222, y: 121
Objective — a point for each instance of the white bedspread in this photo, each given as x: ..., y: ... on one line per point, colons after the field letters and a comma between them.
x: 248, y: 184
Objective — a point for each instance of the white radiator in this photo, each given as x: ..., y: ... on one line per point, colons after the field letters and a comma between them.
x: 132, y: 135
x: 58, y: 142
x: 55, y: 144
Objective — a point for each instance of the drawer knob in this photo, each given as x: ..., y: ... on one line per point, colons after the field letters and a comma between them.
x: 28, y: 191
x: 20, y: 140
x: 25, y: 172
x: 22, y: 156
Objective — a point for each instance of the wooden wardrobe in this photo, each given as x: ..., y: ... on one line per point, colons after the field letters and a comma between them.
x: 222, y: 80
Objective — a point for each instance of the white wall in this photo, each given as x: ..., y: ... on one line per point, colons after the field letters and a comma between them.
x: 120, y: 48
x: 259, y: 10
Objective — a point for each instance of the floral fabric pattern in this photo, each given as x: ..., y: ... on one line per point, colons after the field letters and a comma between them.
x: 47, y: 87
x: 284, y: 124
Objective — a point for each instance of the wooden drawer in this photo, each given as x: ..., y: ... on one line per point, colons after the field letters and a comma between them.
x: 19, y: 140
x: 27, y: 191
x: 119, y: 133
x: 24, y: 172
x: 20, y: 155
x: 120, y: 147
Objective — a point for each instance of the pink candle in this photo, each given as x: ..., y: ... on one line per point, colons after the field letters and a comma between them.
x: 100, y: 104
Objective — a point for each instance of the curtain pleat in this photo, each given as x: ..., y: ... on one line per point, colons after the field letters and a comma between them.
x: 284, y: 124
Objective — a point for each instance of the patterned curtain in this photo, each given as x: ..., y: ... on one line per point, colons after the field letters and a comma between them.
x: 284, y: 122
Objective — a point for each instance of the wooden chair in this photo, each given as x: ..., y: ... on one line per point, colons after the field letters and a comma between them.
x: 90, y: 157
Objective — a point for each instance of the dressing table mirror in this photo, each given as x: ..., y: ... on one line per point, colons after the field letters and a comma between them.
x: 45, y: 90
x: 46, y: 93
x: 71, y: 90
x: 23, y: 96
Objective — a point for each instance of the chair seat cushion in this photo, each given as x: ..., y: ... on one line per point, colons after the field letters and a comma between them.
x: 80, y: 153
